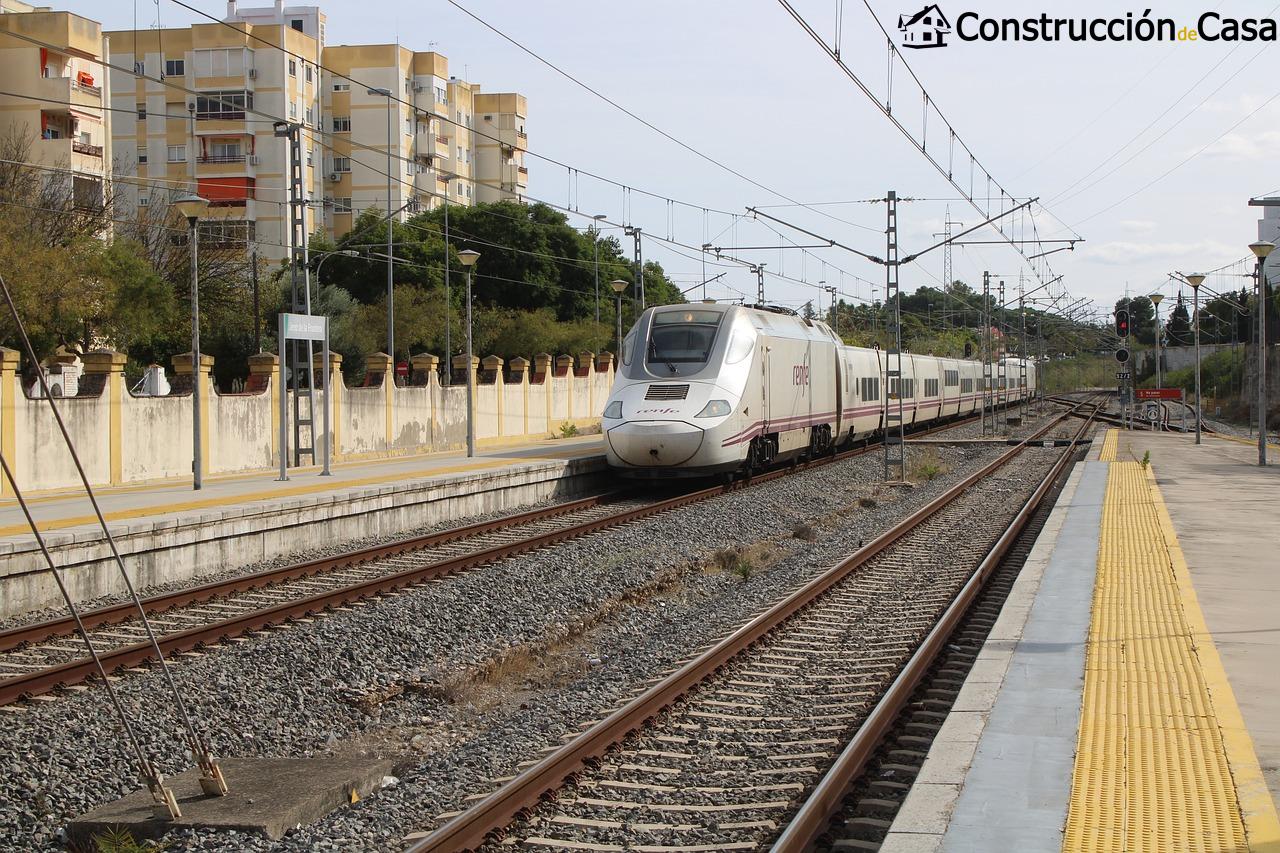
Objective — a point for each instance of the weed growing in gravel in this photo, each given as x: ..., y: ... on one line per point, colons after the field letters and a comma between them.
x: 867, y: 503
x: 805, y: 532
x: 1146, y: 459
x: 927, y: 465
x: 744, y: 569
x: 568, y: 430
x: 119, y: 840
x: 734, y: 560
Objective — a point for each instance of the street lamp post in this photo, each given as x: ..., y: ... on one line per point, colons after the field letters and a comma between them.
x: 391, y: 297
x: 595, y: 243
x: 1260, y: 250
x: 618, y: 286
x: 193, y: 207
x: 1155, y: 300
x: 1195, y: 280
x: 469, y: 258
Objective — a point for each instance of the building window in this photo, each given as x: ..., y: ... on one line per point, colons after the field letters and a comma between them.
x: 311, y: 156
x: 308, y: 70
x: 225, y: 232
x: 143, y: 201
x: 488, y: 118
x: 293, y: 68
x: 221, y: 62
x: 342, y: 164
x: 342, y: 87
x: 310, y: 116
x: 225, y: 151
x: 223, y: 105
x: 342, y: 124
x: 342, y: 205
x: 468, y: 190
x: 142, y: 158
x: 175, y: 67
x: 140, y: 67
x: 459, y: 157
x: 293, y: 109
x: 177, y: 153
x: 441, y: 96
x: 142, y: 112
x: 296, y: 23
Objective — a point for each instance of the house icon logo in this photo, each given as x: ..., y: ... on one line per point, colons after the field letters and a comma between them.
x: 926, y: 28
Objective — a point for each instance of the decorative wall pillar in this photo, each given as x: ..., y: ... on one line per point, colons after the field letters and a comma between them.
x: 492, y: 373
x: 262, y: 376
x: 378, y: 369
x: 564, y: 367
x: 542, y: 369
x: 422, y: 373
x: 586, y: 367
x: 460, y: 369
x: 518, y: 369
x: 338, y: 392
x: 10, y: 393
x: 182, y: 380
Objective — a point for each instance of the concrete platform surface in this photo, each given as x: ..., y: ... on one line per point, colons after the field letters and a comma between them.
x: 269, y: 796
x: 1004, y: 771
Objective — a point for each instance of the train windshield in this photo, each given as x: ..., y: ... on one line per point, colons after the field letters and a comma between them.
x: 681, y: 341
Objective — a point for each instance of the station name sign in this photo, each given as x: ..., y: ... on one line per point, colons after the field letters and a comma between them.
x: 1159, y: 393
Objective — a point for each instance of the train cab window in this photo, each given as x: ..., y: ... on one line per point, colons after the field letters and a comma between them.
x: 627, y: 345
x: 681, y: 341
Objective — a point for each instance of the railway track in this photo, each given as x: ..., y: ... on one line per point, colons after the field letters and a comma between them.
x: 42, y: 657
x: 719, y: 754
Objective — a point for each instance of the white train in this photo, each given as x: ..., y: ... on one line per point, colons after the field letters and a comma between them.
x: 711, y: 389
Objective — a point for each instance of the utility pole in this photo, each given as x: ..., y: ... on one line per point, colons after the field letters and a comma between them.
x: 895, y: 448
x: 291, y: 352
x: 1002, y: 372
x: 257, y: 308
x: 634, y: 232
x: 987, y: 353
x: 760, y: 284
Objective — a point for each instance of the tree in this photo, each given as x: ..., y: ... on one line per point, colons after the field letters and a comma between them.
x: 1178, y: 329
x: 1142, y: 318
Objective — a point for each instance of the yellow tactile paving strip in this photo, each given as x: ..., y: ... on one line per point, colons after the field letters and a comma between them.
x: 1110, y: 444
x: 1160, y: 734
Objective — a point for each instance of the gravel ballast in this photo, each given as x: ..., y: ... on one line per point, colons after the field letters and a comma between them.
x: 319, y: 688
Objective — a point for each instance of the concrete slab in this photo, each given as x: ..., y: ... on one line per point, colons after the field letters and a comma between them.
x: 269, y: 796
x: 1015, y: 794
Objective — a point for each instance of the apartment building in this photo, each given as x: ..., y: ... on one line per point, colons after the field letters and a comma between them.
x: 208, y: 126
x: 206, y: 99
x: 445, y: 139
x: 55, y: 60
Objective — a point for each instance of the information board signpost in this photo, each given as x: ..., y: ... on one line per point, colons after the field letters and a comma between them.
x: 303, y: 327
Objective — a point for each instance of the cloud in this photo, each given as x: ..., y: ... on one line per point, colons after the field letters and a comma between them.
x: 1122, y: 253
x: 1138, y: 226
x: 1246, y: 147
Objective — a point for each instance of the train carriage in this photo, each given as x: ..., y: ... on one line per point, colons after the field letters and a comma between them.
x: 717, y: 389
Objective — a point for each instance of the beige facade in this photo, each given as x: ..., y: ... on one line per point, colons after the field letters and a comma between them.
x: 215, y: 134
x: 436, y: 128
x: 194, y: 140
x: 57, y: 59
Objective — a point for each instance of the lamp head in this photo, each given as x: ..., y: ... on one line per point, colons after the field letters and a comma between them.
x: 191, y: 206
x: 1156, y: 297
x: 600, y: 216
x: 1261, y: 249
x: 468, y: 257
x: 1195, y: 279
x: 619, y: 285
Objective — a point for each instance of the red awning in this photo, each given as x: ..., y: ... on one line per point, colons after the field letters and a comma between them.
x: 221, y: 189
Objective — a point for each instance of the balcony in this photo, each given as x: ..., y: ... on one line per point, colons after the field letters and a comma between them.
x: 66, y: 90
x: 222, y: 158
x: 86, y: 149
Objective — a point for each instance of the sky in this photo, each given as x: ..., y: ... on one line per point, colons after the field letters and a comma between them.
x: 1148, y: 151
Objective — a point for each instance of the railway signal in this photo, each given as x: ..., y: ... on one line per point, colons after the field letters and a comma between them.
x: 1122, y: 355
x: 1122, y: 322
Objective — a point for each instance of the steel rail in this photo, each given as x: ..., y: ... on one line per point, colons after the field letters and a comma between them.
x: 814, y: 817
x: 47, y: 679
x: 472, y: 828
x: 40, y: 631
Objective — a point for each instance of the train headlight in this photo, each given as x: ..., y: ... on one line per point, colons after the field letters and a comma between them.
x: 715, y: 409
x: 613, y: 410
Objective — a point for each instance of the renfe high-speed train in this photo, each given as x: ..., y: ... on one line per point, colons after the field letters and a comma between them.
x: 711, y: 389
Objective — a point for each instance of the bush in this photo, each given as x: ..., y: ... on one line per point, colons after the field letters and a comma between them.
x: 568, y: 430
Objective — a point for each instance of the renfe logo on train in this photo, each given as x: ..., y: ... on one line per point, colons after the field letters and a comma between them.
x: 800, y: 374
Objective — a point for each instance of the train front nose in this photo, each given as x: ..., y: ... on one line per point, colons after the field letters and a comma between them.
x: 647, y: 444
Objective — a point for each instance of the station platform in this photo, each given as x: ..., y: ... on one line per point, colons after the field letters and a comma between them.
x: 168, y: 532
x: 1126, y: 699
